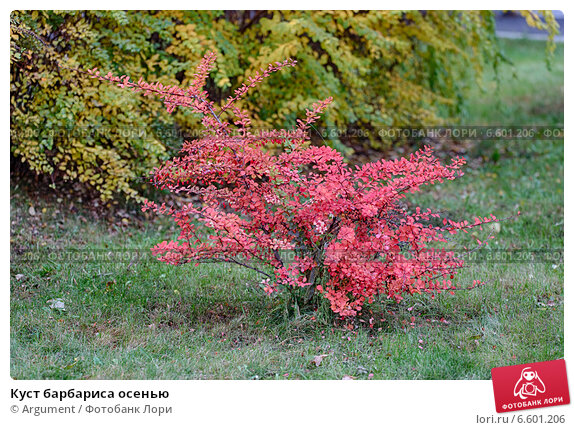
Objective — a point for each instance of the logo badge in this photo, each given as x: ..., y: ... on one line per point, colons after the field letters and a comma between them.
x: 528, y: 386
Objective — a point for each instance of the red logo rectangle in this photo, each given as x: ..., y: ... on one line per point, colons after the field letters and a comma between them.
x: 528, y: 386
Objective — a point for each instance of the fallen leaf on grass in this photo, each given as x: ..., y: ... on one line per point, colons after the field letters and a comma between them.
x: 19, y: 277
x: 57, y: 304
x: 495, y: 227
x: 318, y: 359
x: 348, y: 378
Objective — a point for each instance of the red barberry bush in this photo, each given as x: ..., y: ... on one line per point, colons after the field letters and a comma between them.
x: 298, y: 214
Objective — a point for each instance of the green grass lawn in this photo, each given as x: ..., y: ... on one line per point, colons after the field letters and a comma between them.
x: 135, y: 318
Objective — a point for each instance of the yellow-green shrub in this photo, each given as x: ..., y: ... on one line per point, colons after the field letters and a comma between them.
x: 384, y: 68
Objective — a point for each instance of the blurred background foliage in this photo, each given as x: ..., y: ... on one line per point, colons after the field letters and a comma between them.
x: 383, y: 68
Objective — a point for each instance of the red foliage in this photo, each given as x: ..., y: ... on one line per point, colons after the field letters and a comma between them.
x: 301, y: 216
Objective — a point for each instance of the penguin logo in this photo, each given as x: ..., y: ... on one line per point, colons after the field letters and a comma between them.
x: 529, y: 384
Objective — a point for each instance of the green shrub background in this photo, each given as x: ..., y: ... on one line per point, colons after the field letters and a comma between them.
x: 383, y: 68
